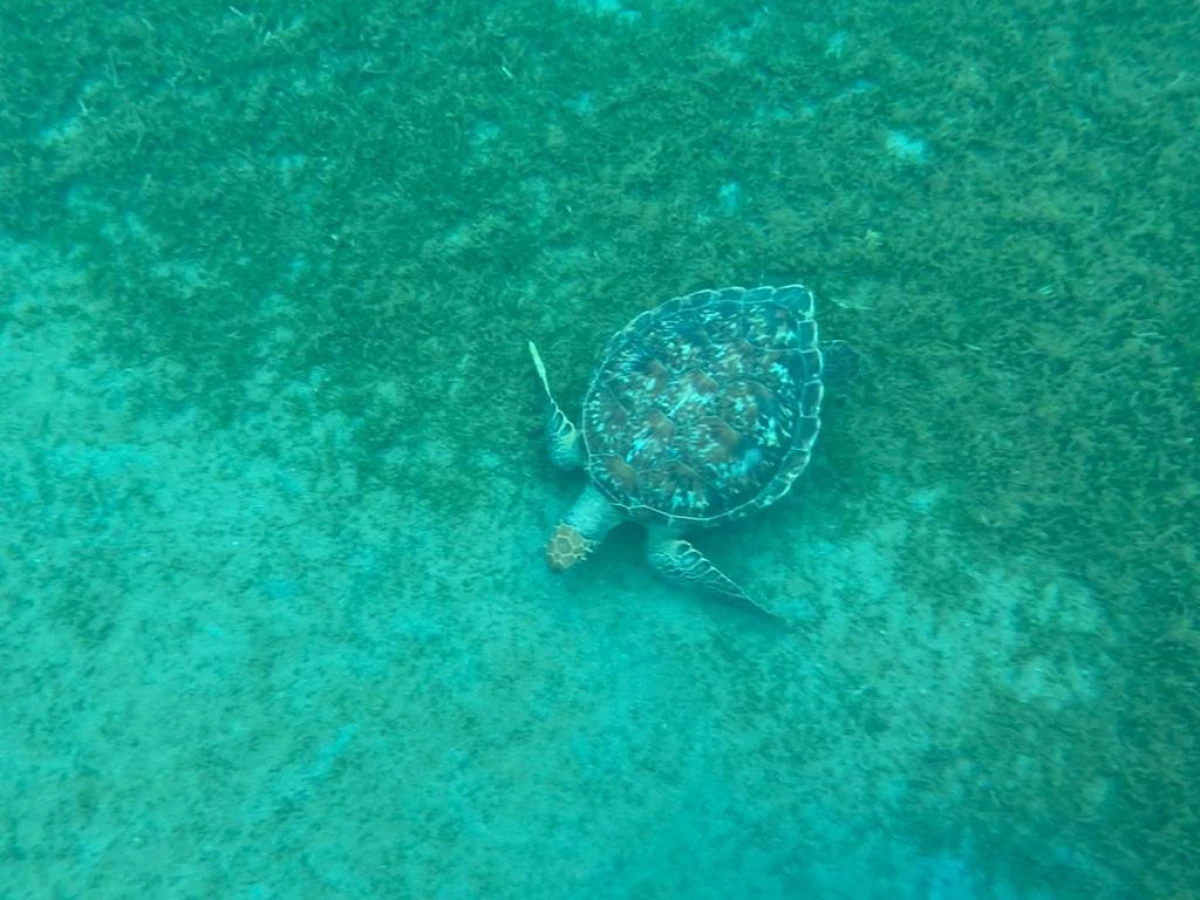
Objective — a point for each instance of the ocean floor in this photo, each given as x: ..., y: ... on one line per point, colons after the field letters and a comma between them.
x: 235, y: 667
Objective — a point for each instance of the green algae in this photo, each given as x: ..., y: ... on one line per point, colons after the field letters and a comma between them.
x: 387, y: 205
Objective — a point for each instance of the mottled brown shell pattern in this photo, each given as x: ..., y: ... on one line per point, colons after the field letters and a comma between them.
x: 706, y: 408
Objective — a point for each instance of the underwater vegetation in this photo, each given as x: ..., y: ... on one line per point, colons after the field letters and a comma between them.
x: 995, y: 203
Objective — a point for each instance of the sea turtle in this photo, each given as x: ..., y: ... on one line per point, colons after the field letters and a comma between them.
x: 702, y: 410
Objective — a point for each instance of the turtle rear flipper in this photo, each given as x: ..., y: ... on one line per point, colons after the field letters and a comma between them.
x: 841, y: 362
x: 562, y: 437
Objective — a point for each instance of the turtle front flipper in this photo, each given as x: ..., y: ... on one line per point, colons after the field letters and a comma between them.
x: 682, y: 563
x: 562, y: 437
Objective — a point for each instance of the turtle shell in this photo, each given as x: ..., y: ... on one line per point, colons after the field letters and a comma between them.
x: 707, y: 407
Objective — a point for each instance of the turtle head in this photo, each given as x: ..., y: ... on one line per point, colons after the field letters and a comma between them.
x: 566, y: 547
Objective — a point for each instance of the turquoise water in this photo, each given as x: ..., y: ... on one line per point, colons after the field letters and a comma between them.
x: 276, y: 618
